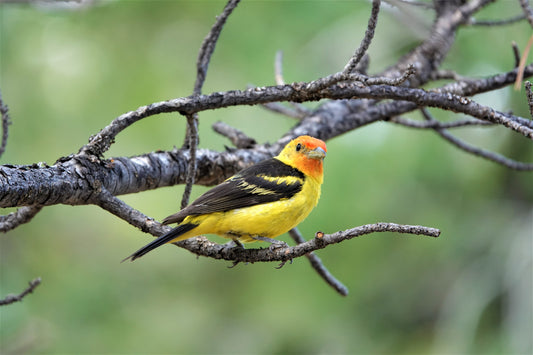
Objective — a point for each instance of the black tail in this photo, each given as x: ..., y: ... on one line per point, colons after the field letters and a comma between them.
x: 165, y: 238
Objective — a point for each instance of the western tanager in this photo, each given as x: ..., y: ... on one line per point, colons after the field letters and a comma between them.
x: 258, y: 203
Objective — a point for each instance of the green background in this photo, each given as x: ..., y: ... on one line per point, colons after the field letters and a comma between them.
x: 66, y: 74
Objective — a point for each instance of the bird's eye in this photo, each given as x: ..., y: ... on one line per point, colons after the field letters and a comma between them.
x: 298, y: 147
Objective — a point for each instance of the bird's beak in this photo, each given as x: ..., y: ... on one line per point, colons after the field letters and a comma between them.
x: 317, y: 153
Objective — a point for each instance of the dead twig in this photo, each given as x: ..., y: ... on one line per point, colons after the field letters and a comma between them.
x: 17, y: 298
x: 22, y: 215
x: 318, y: 266
x: 4, y: 112
x: 204, y: 57
x: 236, y: 136
x: 492, y: 156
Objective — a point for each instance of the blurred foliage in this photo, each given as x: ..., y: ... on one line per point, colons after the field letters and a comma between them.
x: 66, y: 74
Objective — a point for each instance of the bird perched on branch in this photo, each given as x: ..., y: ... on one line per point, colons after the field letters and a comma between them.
x: 258, y: 203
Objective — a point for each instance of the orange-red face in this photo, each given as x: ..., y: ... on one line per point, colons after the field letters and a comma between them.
x: 306, y: 154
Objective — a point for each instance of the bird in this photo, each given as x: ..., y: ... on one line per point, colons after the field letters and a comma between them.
x: 258, y: 203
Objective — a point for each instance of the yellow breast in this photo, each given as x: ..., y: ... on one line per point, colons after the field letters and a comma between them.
x: 267, y: 220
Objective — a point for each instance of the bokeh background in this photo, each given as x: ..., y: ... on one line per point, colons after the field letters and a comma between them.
x: 66, y: 73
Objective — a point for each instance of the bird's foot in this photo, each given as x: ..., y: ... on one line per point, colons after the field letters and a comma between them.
x: 233, y: 244
x: 274, y: 243
x: 282, y: 264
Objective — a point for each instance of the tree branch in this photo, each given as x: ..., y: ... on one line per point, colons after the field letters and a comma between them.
x: 119, y: 208
x: 203, y: 247
x: 528, y: 12
x: 299, y: 92
x: 503, y: 22
x: 529, y: 94
x: 192, y: 139
x: 319, y: 267
x: 17, y: 298
x: 367, y: 39
x: 236, y: 136
x: 4, y: 112
x: 208, y: 45
x: 299, y: 110
x: 164, y: 169
x: 492, y: 156
x: 204, y: 57
x: 437, y: 124
x: 20, y: 216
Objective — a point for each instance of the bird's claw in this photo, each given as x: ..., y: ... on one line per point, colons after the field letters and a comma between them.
x: 278, y: 244
x: 274, y: 243
x: 232, y: 244
x: 282, y: 264
x: 233, y: 264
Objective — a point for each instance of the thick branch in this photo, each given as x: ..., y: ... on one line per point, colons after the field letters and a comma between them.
x: 79, y: 180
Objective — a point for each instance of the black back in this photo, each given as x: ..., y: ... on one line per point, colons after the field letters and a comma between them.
x: 258, y: 184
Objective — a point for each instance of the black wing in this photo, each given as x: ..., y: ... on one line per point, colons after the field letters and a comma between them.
x: 258, y: 184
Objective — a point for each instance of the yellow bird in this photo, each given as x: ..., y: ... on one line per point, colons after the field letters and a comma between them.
x: 258, y: 203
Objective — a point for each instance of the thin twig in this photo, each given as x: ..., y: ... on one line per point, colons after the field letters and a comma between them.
x: 208, y: 45
x: 192, y: 135
x: 437, y: 124
x: 330, y: 80
x: 4, y: 111
x: 470, y: 87
x: 492, y: 156
x: 119, y: 208
x: 529, y: 95
x: 236, y: 136
x: 204, y: 56
x: 503, y: 22
x: 367, y: 39
x: 361, y: 79
x: 522, y: 64
x: 284, y: 110
x: 516, y: 54
x: 528, y: 11
x: 17, y: 298
x: 319, y: 267
x: 20, y: 216
x: 300, y: 109
x: 442, y: 74
x: 409, y: 71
